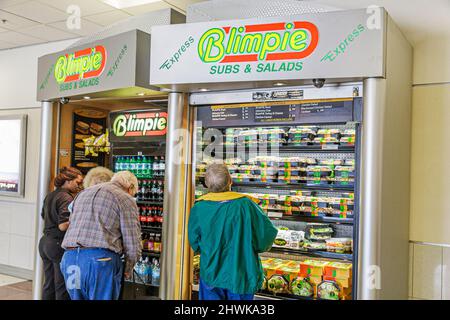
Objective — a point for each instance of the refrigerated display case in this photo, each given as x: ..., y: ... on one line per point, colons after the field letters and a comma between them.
x: 141, y: 150
x: 300, y: 158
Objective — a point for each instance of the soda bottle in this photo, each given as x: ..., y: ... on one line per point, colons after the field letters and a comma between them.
x: 142, y: 217
x: 117, y: 164
x: 162, y: 166
x: 144, y: 166
x: 161, y: 216
x: 126, y: 164
x: 137, y: 170
x: 160, y: 190
x: 147, y: 192
x: 150, y: 217
x: 156, y: 167
x: 150, y: 167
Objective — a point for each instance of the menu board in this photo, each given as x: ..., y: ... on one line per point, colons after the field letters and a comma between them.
x: 227, y: 114
x: 87, y: 123
x: 12, y: 144
x: 275, y: 113
x: 289, y: 113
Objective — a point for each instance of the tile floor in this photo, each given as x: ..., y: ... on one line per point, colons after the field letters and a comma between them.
x: 12, y: 288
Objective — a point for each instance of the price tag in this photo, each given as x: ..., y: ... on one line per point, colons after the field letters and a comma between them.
x: 274, y: 214
x: 330, y: 147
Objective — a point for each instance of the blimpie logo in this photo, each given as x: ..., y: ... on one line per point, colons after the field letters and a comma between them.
x: 82, y: 64
x: 259, y: 42
x: 140, y: 124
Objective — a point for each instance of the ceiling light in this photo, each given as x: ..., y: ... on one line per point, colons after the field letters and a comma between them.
x: 203, y: 89
x: 141, y: 94
x: 122, y: 4
x: 278, y: 84
x: 86, y: 98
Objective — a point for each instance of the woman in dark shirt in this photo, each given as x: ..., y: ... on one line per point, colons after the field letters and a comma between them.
x: 56, y: 221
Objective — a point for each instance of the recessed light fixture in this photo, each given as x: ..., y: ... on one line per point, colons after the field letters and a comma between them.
x: 203, y: 89
x: 141, y: 94
x: 278, y: 84
x: 86, y: 98
x: 121, y: 4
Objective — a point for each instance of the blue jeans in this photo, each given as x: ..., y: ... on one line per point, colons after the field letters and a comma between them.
x: 210, y: 293
x: 92, y: 274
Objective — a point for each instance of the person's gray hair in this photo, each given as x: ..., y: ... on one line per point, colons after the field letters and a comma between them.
x: 217, y: 178
x: 96, y: 176
x: 126, y: 180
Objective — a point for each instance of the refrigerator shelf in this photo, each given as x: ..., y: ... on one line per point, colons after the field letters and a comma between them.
x: 301, y: 218
x: 145, y: 228
x: 316, y: 254
x: 143, y: 284
x: 288, y: 148
x: 292, y: 185
x: 151, y: 254
x: 283, y: 296
x: 149, y: 202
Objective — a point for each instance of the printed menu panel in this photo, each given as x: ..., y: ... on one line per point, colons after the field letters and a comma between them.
x: 87, y: 123
x: 276, y: 113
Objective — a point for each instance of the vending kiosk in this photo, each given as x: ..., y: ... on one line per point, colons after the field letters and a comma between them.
x: 312, y: 114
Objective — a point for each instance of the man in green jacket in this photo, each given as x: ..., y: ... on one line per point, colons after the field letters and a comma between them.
x: 228, y: 230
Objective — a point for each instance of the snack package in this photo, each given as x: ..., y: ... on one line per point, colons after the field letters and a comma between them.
x: 301, y: 286
x: 339, y: 245
x: 312, y: 268
x: 328, y: 290
x: 278, y: 284
x: 338, y: 270
x: 289, y: 239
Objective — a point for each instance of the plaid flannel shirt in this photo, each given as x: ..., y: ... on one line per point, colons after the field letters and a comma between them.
x: 105, y: 216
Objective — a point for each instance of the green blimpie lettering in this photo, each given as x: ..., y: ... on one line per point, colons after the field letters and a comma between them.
x: 214, y: 40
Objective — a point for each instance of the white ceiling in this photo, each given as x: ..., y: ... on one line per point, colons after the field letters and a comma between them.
x: 30, y: 22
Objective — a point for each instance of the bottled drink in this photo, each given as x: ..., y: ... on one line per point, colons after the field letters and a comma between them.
x: 117, y: 164
x: 160, y: 191
x: 160, y: 217
x: 144, y: 167
x: 145, y: 240
x: 150, y: 217
x: 147, y: 271
x: 151, y: 242
x: 156, y: 167
x: 150, y: 168
x: 157, y: 244
x: 162, y: 166
x: 138, y: 169
x: 132, y: 165
x: 126, y: 164
x: 156, y: 271
x: 142, y: 217
x: 148, y: 190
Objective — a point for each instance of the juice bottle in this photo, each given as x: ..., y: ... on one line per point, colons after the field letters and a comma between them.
x: 157, y: 244
x: 151, y: 242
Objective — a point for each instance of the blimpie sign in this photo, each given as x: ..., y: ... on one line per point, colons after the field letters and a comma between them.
x: 82, y: 64
x: 329, y: 45
x: 259, y: 42
x: 139, y: 124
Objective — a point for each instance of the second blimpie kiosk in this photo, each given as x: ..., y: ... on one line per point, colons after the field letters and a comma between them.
x: 330, y: 92
x: 98, y: 109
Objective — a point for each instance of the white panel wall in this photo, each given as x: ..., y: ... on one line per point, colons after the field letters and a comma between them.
x: 17, y: 215
x: 19, y: 73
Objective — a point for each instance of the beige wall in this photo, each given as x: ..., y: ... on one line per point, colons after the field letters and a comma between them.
x: 430, y: 163
x: 430, y: 174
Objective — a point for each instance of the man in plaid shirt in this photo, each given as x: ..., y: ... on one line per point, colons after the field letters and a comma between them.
x: 104, y: 225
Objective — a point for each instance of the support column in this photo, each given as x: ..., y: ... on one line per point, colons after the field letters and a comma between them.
x: 175, y: 193
x: 44, y: 182
x: 369, y: 274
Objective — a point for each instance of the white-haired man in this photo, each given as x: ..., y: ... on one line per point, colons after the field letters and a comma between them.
x: 229, y: 230
x: 103, y: 226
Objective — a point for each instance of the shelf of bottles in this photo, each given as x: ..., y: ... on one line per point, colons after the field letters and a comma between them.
x: 150, y: 171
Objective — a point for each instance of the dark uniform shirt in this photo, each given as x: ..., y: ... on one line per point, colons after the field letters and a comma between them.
x: 55, y: 212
